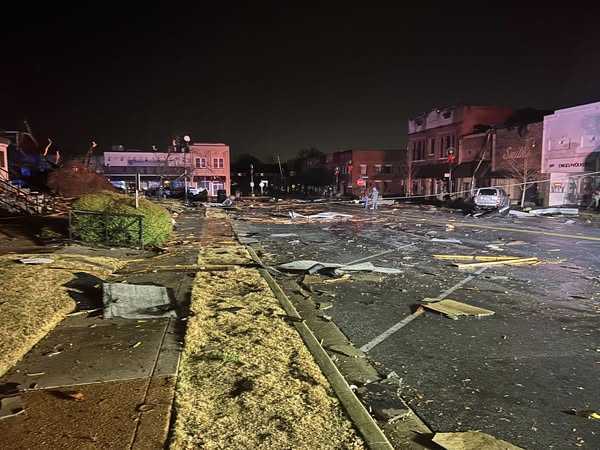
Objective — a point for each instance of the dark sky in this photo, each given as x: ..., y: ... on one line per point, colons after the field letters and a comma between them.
x: 277, y: 79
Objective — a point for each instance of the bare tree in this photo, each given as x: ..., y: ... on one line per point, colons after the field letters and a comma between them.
x: 523, y: 164
x: 408, y: 172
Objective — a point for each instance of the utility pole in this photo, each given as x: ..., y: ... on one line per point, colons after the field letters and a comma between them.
x: 252, y: 179
x: 282, y: 180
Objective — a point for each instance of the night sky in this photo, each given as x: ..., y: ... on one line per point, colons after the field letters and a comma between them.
x: 269, y: 80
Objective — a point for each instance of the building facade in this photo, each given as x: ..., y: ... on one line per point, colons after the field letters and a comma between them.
x: 201, y: 165
x: 434, y: 135
x: 358, y: 169
x: 571, y: 154
x: 210, y: 167
x: 502, y: 156
x: 4, y: 143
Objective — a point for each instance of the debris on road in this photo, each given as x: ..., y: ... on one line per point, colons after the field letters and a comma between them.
x: 585, y: 413
x: 512, y: 262
x: 454, y: 309
x: 447, y: 241
x: 130, y: 301
x: 324, y: 216
x: 474, y: 258
x: 11, y: 407
x: 545, y: 212
x: 471, y: 440
x: 311, y: 267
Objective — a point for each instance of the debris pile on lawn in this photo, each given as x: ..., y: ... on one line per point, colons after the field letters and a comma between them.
x: 36, y: 297
x: 246, y: 379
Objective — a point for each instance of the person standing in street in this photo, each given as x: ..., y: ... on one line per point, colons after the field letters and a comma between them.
x: 366, y: 197
x: 374, y: 198
x: 596, y: 199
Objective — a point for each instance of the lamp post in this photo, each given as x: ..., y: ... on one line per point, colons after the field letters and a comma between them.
x: 451, y: 162
x: 252, y: 179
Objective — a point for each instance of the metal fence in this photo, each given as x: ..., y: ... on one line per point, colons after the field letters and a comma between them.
x: 126, y: 230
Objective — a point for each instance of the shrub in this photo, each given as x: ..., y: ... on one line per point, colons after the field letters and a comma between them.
x: 121, y: 230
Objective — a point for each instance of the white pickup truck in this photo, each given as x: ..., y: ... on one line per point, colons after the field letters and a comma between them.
x: 491, y: 198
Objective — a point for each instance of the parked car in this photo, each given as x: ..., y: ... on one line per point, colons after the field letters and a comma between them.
x: 491, y: 198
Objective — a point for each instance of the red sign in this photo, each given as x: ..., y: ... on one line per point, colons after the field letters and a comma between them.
x: 451, y: 158
x: 360, y: 182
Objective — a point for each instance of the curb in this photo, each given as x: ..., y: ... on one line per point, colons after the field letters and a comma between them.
x: 368, y: 428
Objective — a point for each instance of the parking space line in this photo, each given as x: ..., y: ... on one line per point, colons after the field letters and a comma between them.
x: 387, y: 333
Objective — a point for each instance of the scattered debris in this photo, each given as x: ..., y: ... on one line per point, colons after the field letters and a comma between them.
x: 519, y: 214
x: 545, y: 212
x: 311, y: 267
x: 585, y: 413
x: 77, y: 396
x: 324, y: 216
x: 130, y: 301
x: 35, y: 374
x: 447, y: 241
x: 145, y: 407
x: 84, y: 311
x: 322, y: 306
x: 474, y: 258
x: 512, y: 261
x: 454, y: 309
x: 391, y: 415
x: 471, y: 440
x: 346, y: 350
x: 283, y: 235
x: 11, y: 407
x: 136, y: 345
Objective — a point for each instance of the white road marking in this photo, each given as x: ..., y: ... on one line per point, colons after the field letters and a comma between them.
x: 387, y: 333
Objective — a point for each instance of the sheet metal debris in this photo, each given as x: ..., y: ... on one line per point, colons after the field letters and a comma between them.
x: 310, y: 266
x: 130, y: 301
x: 454, y: 309
x: 323, y: 216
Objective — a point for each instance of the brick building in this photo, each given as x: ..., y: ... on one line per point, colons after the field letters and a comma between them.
x: 204, y: 165
x: 435, y: 134
x: 358, y: 168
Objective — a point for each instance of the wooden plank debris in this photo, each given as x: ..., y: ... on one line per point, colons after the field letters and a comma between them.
x: 454, y: 309
x: 512, y: 262
x: 474, y: 258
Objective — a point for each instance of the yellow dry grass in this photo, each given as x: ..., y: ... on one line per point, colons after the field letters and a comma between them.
x: 246, y: 380
x: 35, y: 299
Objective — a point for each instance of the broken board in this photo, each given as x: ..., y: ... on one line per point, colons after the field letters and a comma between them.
x: 454, y: 309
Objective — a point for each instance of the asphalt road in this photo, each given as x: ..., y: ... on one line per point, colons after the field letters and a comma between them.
x: 512, y: 374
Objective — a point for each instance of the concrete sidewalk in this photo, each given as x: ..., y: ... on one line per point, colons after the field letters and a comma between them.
x: 98, y: 383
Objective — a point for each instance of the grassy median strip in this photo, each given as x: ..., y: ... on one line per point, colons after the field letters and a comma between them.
x: 246, y: 380
x: 35, y: 298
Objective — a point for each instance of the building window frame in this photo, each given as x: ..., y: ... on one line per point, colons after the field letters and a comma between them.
x: 363, y: 169
x: 221, y: 163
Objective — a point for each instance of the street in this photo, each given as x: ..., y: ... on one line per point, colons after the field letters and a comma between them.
x: 515, y: 374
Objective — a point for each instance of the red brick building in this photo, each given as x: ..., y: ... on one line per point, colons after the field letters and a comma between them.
x: 357, y: 168
x: 435, y: 134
